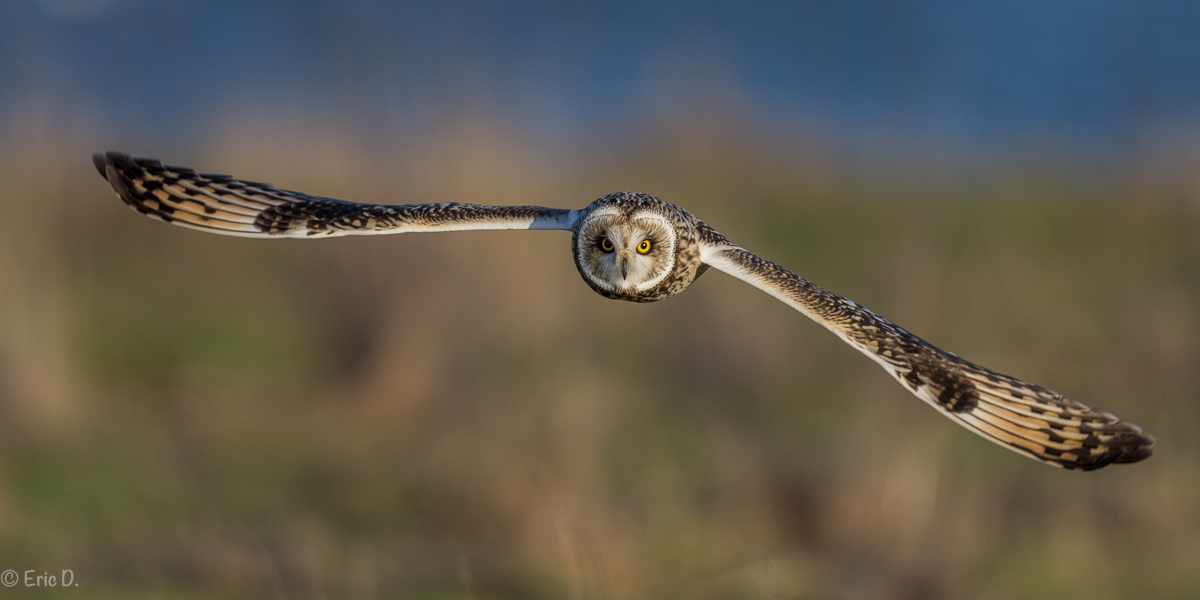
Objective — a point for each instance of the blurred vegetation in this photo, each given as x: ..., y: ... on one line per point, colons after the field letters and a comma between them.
x: 458, y: 416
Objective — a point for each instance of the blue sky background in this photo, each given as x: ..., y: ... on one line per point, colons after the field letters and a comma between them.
x: 1101, y: 77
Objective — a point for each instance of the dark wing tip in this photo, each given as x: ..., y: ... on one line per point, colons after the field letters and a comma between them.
x: 1143, y: 448
x: 1130, y: 447
x: 101, y: 162
x: 109, y: 165
x: 120, y: 160
x: 1129, y: 444
x: 123, y: 160
x: 114, y: 157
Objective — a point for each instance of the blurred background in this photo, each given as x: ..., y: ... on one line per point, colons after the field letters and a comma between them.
x: 185, y: 415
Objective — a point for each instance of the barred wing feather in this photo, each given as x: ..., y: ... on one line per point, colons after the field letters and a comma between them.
x: 222, y: 204
x: 1023, y: 417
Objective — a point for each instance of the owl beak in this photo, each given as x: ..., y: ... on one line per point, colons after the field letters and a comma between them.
x: 624, y: 265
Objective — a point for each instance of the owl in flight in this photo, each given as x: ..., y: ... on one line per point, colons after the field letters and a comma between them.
x: 635, y: 247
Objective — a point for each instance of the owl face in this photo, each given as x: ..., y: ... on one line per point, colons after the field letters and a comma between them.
x: 625, y: 252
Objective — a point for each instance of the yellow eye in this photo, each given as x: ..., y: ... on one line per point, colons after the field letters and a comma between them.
x: 643, y: 247
x: 606, y: 245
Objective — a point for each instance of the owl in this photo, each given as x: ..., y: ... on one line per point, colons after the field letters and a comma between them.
x: 635, y: 247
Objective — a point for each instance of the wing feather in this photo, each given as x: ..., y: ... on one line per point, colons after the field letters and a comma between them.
x: 1024, y: 417
x: 222, y: 204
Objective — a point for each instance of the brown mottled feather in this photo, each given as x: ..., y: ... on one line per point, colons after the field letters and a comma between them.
x: 222, y: 204
x: 1023, y: 417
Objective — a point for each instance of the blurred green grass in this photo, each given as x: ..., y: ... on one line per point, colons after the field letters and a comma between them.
x: 192, y: 416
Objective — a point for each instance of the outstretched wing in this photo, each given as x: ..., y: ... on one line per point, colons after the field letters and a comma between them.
x: 222, y: 204
x: 1023, y: 417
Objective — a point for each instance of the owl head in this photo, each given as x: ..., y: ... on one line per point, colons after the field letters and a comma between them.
x: 626, y: 246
